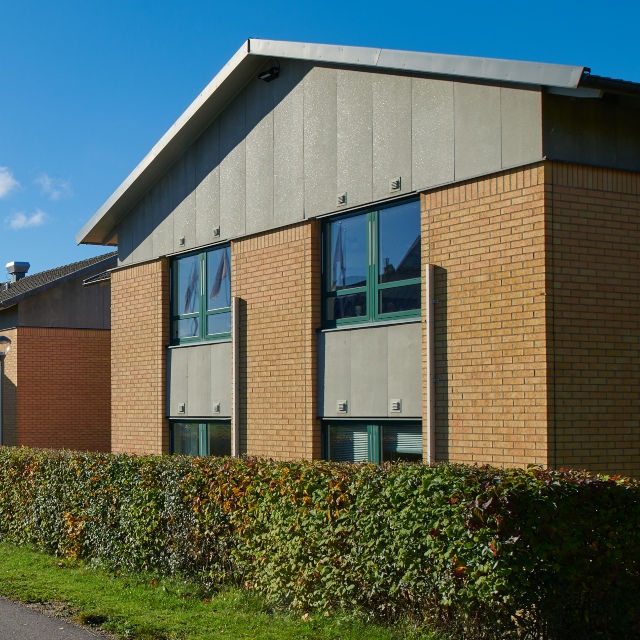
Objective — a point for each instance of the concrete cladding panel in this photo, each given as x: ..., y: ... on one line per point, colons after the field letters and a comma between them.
x: 368, y: 367
x: 282, y: 151
x: 592, y: 131
x: 199, y: 377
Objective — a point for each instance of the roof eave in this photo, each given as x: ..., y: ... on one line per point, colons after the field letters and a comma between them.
x: 248, y: 59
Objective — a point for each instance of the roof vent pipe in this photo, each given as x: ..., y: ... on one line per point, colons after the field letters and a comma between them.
x: 17, y: 270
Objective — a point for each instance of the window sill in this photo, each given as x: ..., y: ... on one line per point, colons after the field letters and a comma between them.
x: 368, y: 325
x: 198, y: 343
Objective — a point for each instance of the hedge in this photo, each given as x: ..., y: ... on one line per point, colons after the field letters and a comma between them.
x: 477, y: 551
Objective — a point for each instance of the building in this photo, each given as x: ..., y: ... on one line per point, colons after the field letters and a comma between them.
x: 359, y: 254
x: 56, y: 375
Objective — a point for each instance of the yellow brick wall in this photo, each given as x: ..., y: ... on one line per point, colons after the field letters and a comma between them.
x: 63, y: 388
x: 276, y: 275
x: 140, y: 334
x: 595, y: 317
x: 487, y: 240
x: 9, y: 390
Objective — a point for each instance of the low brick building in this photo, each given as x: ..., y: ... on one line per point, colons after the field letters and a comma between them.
x: 56, y: 376
x: 362, y: 254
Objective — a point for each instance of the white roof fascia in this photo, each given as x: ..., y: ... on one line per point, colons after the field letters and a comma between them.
x: 230, y: 79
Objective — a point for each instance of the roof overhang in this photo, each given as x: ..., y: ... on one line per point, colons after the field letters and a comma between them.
x: 247, y: 62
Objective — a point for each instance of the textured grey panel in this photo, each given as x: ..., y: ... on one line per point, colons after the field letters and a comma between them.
x: 355, y: 136
x: 478, y: 131
x: 391, y: 133
x: 320, y: 141
x: 220, y: 381
x: 369, y: 372
x: 178, y: 382
x: 232, y: 168
x: 628, y: 138
x: 125, y: 246
x: 199, y: 371
x: 405, y: 368
x: 208, y: 184
x: 161, y: 205
x: 432, y: 132
x: 521, y: 113
x: 334, y: 373
x: 597, y: 132
x: 141, y: 232
x: 183, y: 178
x: 288, y: 143
x: 259, y: 146
x: 9, y: 318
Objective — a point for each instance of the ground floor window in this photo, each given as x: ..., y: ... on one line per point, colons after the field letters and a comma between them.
x: 201, y: 438
x: 372, y: 442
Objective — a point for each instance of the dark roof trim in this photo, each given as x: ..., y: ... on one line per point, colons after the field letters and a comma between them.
x: 46, y: 280
x: 621, y: 87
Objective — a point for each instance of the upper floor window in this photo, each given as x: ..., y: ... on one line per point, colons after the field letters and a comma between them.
x: 372, y: 265
x: 201, y: 296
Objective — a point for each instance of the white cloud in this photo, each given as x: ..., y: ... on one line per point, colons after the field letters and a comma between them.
x: 55, y: 188
x: 7, y: 181
x: 22, y: 220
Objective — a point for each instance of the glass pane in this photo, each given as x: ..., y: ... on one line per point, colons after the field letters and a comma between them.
x: 348, y: 253
x: 399, y: 242
x: 219, y: 439
x: 348, y: 444
x: 188, y: 284
x: 350, y: 306
x: 219, y: 323
x: 185, y: 438
x: 402, y: 443
x: 218, y: 278
x: 399, y: 299
x: 185, y: 328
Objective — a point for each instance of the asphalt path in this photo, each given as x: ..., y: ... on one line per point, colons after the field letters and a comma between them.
x: 18, y: 622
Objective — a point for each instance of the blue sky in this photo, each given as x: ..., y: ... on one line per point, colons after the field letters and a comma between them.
x: 88, y: 86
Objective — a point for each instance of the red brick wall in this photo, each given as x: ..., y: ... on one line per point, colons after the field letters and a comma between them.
x: 594, y: 319
x: 276, y: 275
x: 140, y: 334
x: 487, y: 240
x: 63, y: 389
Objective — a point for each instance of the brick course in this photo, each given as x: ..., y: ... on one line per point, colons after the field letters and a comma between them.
x: 594, y: 319
x: 276, y: 275
x: 140, y: 334
x: 63, y: 389
x: 487, y: 240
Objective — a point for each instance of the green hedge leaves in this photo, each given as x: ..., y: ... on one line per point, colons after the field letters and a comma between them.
x: 478, y: 551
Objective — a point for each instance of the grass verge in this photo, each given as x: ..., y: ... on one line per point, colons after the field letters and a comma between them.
x: 139, y: 607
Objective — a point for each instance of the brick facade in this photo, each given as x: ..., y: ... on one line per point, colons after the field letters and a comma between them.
x: 140, y: 334
x: 487, y: 239
x: 594, y: 319
x: 276, y: 275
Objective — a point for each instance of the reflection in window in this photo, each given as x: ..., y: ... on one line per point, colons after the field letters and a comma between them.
x: 372, y: 265
x: 200, y: 438
x: 201, y: 296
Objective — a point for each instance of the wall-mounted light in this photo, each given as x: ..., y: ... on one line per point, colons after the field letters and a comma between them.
x: 269, y: 74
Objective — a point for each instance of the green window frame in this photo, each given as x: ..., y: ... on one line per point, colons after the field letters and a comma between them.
x: 194, y: 438
x: 373, y: 290
x: 201, y: 296
x: 372, y: 441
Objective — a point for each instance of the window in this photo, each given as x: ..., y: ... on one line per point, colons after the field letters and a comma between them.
x: 201, y: 296
x: 201, y: 439
x: 372, y: 265
x: 363, y: 442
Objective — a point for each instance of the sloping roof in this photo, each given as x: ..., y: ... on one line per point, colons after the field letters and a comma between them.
x: 251, y: 57
x: 39, y: 282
